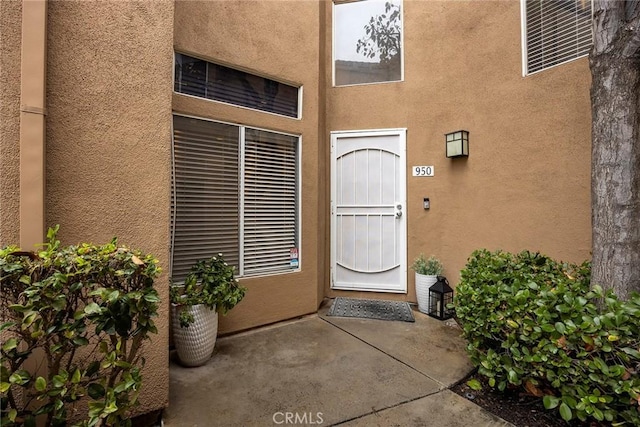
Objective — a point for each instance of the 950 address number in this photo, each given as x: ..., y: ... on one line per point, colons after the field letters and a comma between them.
x: 422, y: 170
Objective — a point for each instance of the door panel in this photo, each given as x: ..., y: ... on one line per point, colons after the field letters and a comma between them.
x: 368, y: 247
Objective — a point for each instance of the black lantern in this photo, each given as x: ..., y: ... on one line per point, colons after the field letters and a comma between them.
x: 440, y: 295
x: 457, y: 143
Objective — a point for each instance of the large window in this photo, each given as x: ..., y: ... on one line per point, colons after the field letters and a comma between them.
x: 204, y: 79
x: 235, y: 191
x: 367, y: 41
x: 554, y: 32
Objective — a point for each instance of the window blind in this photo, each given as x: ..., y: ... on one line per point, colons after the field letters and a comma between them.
x: 557, y: 31
x: 234, y: 191
x: 270, y: 201
x: 205, y: 196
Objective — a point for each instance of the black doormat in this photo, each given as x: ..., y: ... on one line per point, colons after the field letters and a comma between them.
x: 371, y: 309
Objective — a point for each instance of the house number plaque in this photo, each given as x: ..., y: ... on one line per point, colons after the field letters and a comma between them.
x: 422, y: 170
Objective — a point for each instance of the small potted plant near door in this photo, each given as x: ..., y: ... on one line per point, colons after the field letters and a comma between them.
x: 209, y: 288
x: 427, y: 272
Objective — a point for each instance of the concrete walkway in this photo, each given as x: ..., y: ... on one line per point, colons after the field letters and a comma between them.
x: 323, y: 370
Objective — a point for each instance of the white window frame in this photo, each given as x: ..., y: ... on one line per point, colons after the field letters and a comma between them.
x: 523, y: 40
x: 336, y: 3
x: 299, y: 86
x: 241, y: 192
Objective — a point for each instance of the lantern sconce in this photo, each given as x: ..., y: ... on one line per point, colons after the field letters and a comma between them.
x: 457, y: 143
x: 440, y: 295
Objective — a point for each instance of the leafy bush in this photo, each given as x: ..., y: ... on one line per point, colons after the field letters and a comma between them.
x: 210, y: 282
x: 87, y: 309
x: 534, y: 323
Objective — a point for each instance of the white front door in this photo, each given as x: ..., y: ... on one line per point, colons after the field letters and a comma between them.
x: 368, y: 204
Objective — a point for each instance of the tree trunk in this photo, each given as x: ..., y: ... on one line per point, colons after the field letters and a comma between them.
x: 615, y: 161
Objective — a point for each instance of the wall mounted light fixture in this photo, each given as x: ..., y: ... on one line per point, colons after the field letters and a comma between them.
x: 457, y: 143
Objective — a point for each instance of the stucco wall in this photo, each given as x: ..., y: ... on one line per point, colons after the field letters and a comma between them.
x: 257, y: 36
x: 10, y: 41
x: 108, y: 139
x: 323, y: 154
x: 526, y: 183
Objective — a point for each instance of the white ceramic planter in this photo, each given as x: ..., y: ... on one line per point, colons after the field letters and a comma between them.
x: 195, y: 344
x: 423, y: 283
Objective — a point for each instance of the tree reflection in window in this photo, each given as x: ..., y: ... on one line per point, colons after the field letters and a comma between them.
x: 368, y: 42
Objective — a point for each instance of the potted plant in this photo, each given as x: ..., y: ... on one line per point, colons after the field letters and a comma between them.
x: 427, y: 272
x: 209, y: 288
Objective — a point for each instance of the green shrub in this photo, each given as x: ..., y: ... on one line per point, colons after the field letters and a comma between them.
x: 532, y: 322
x: 87, y: 309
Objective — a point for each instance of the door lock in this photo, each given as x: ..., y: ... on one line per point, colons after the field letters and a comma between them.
x: 398, y: 210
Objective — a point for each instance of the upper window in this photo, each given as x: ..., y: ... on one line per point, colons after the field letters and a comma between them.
x: 204, y: 79
x: 235, y: 192
x: 555, y: 31
x: 367, y: 42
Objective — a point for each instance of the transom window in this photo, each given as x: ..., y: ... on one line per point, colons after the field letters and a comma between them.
x: 235, y: 192
x: 204, y: 79
x: 367, y: 41
x: 554, y: 32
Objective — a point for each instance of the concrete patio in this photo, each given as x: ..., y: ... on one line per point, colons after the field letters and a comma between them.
x: 322, y: 370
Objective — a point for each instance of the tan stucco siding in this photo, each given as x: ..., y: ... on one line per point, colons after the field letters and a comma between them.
x: 108, y: 140
x: 10, y: 44
x: 525, y: 185
x: 323, y: 152
x: 278, y: 40
x: 526, y: 182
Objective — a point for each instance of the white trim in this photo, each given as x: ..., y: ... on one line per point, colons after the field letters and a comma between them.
x: 240, y: 106
x: 369, y: 132
x: 174, y: 200
x: 173, y: 72
x: 523, y: 35
x: 241, y: 170
x: 299, y: 199
x: 191, y: 116
x: 333, y: 44
x: 300, y: 99
x: 372, y: 83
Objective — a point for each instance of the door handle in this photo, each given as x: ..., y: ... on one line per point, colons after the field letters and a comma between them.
x: 398, y: 210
